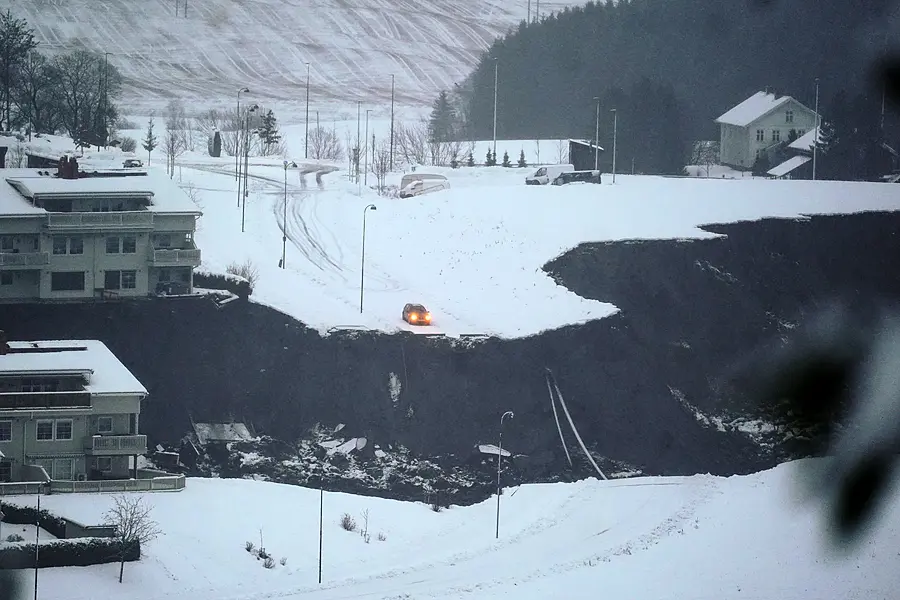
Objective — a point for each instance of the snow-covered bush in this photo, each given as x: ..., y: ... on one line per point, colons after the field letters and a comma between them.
x: 347, y: 522
x: 246, y: 269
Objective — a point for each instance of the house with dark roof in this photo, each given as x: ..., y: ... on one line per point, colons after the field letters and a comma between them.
x: 761, y: 125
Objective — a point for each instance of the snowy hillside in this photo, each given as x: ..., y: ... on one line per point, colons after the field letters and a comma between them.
x: 698, y: 537
x: 222, y: 45
x: 472, y: 254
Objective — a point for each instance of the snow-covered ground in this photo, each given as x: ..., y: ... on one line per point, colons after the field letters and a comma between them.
x: 698, y: 538
x: 352, y: 48
x: 472, y: 254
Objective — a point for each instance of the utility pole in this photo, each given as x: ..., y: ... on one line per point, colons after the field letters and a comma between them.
x: 37, y: 542
x: 818, y: 132
x: 597, y: 136
x: 392, y: 122
x: 509, y: 414
x: 306, y: 151
x: 528, y: 20
x: 106, y: 99
x: 615, y: 131
x: 495, y: 109
x: 358, y: 150
x: 237, y: 144
x: 366, y: 167
x: 321, y: 511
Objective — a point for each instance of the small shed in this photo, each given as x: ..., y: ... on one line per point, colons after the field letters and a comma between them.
x: 582, y: 154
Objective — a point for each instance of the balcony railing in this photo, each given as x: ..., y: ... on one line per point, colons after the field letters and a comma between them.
x: 188, y: 257
x: 100, y: 220
x: 44, y: 400
x: 24, y: 259
x: 117, y: 444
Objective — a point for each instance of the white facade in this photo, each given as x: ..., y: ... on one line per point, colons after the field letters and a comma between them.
x: 761, y: 124
x: 93, y: 237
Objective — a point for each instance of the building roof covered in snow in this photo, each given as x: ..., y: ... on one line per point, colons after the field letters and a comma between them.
x: 221, y: 432
x: 753, y: 108
x: 789, y: 165
x: 805, y: 142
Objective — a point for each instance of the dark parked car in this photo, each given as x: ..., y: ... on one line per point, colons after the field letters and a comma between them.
x: 416, y: 314
x: 577, y: 176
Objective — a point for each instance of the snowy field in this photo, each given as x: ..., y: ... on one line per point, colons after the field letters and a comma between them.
x: 352, y: 48
x: 472, y: 254
x: 697, y: 538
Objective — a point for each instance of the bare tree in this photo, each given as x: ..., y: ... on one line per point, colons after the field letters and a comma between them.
x: 412, y: 141
x: 324, y: 144
x: 35, y: 95
x: 82, y: 85
x: 173, y: 146
x: 133, y: 524
x: 380, y: 164
x: 705, y: 154
x: 16, y: 156
x: 176, y: 122
x: 353, y: 155
x: 562, y: 151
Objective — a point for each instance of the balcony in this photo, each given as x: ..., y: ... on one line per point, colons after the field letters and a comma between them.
x: 170, y: 257
x: 44, y: 400
x: 109, y: 445
x: 24, y: 260
x: 80, y: 221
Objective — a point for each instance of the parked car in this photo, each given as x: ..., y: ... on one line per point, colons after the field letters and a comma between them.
x: 416, y: 184
x: 547, y: 173
x: 132, y: 163
x: 416, y: 314
x: 577, y: 176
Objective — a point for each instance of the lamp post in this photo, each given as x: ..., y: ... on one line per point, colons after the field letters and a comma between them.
x: 306, y: 147
x: 250, y: 110
x: 392, y: 123
x: 816, y: 135
x: 284, y: 220
x: 496, y: 63
x: 362, y: 271
x: 366, y: 164
x: 106, y: 99
x: 597, y: 136
x: 358, y: 150
x: 509, y: 414
x: 615, y: 128
x: 237, y: 145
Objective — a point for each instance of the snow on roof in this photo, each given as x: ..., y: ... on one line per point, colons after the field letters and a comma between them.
x: 805, y: 142
x: 788, y: 166
x: 751, y: 109
x: 106, y: 374
x: 589, y: 143
x: 492, y: 449
x: 222, y: 432
x: 50, y: 146
x: 164, y: 193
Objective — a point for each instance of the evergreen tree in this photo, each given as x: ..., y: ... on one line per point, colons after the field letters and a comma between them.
x: 440, y: 123
x: 268, y: 133
x: 16, y: 41
x: 471, y: 161
x: 491, y: 159
x: 506, y: 162
x: 149, y: 142
x: 522, y: 163
x: 761, y: 165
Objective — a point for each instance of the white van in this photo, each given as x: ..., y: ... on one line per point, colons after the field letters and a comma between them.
x: 548, y: 173
x: 416, y: 184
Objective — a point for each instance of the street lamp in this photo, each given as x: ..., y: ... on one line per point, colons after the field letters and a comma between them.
x: 615, y: 128
x: 509, y: 414
x: 816, y: 135
x: 237, y: 144
x: 597, y: 137
x: 495, y: 108
x: 366, y: 165
x: 106, y: 99
x: 358, y: 119
x: 362, y: 271
x: 250, y: 110
x: 284, y: 217
x: 392, y: 123
x: 306, y: 149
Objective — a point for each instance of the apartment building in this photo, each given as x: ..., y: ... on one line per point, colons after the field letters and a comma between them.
x: 71, y: 235
x: 68, y: 407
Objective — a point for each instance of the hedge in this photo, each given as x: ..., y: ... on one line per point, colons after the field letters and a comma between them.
x: 215, y: 281
x: 81, y: 552
x: 28, y: 515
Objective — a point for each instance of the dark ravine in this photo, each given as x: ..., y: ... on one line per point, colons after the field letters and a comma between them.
x: 689, y: 310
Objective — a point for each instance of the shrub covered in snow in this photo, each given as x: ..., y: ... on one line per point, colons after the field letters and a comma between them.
x: 81, y: 552
x: 28, y: 515
x: 347, y: 522
x: 223, y: 281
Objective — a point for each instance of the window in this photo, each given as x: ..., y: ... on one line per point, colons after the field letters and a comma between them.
x: 45, y: 463
x: 5, y: 431
x: 165, y: 275
x: 63, y: 469
x: 6, y: 471
x: 6, y: 278
x: 104, y: 425
x: 776, y: 135
x: 104, y: 464
x: 67, y: 281
x: 129, y: 280
x: 760, y: 135
x: 111, y: 280
x: 163, y: 241
x: 64, y: 429
x: 6, y: 244
x: 76, y: 245
x: 59, y: 245
x: 129, y: 244
x: 789, y: 116
x: 112, y: 245
x: 39, y: 385
x: 44, y: 432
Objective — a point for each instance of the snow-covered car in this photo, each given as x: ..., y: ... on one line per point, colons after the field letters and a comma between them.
x: 416, y: 184
x: 416, y: 314
x: 132, y: 163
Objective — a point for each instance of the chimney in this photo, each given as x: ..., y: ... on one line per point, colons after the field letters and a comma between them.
x: 73, y: 168
x: 4, y: 345
x: 61, y: 166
